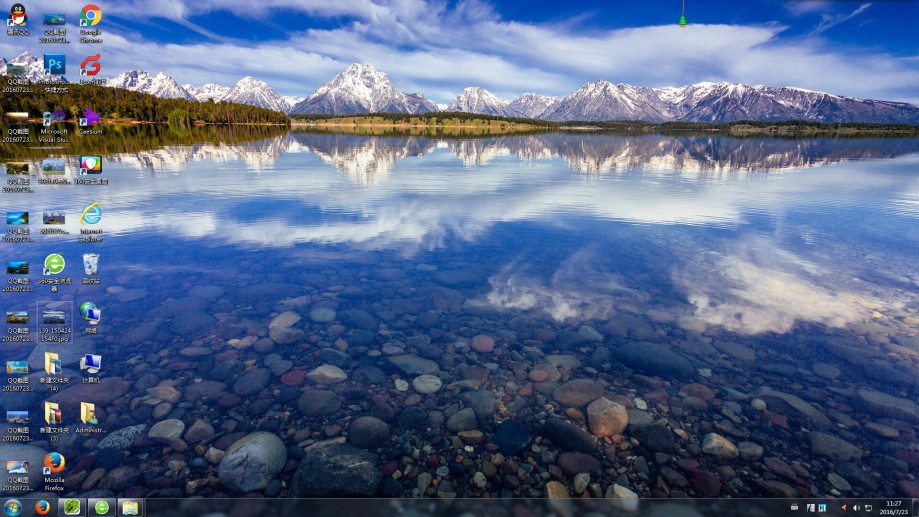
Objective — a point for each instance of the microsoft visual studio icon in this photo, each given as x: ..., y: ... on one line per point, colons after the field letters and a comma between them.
x: 55, y: 64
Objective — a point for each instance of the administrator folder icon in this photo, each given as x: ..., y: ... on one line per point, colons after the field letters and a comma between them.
x: 130, y: 508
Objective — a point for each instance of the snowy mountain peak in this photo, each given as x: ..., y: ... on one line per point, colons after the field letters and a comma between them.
x: 253, y: 92
x: 251, y: 82
x: 532, y: 105
x: 362, y: 89
x: 25, y: 57
x: 161, y: 85
x: 480, y: 100
x: 210, y: 91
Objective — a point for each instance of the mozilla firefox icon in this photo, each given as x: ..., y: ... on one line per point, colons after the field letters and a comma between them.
x: 54, y: 463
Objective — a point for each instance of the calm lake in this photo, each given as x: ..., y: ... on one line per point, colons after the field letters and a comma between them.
x: 698, y: 316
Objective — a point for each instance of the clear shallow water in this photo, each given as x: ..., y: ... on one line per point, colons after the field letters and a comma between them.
x: 764, y: 265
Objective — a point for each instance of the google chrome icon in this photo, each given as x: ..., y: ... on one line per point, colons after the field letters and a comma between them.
x: 42, y: 507
x: 90, y: 15
x: 54, y: 462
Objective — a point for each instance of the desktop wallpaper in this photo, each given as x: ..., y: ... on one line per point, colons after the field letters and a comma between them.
x: 460, y: 250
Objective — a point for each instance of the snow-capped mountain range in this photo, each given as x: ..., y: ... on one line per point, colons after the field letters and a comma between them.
x: 362, y: 89
x: 722, y: 102
x: 210, y: 91
x: 159, y: 85
x: 532, y: 104
x: 480, y: 100
x: 247, y: 91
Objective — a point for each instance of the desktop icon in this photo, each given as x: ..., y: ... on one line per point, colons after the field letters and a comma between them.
x: 90, y: 263
x: 52, y: 417
x: 130, y: 507
x: 52, y: 116
x: 17, y: 218
x: 90, y: 65
x: 17, y: 367
x: 72, y: 507
x: 91, y: 363
x: 102, y: 507
x: 55, y: 64
x: 88, y: 413
x: 17, y: 69
x: 52, y: 363
x: 17, y: 267
x: 17, y: 466
x: 53, y: 317
x: 12, y: 507
x: 17, y: 117
x: 90, y: 15
x: 90, y: 164
x: 17, y: 317
x: 17, y: 168
x: 17, y: 417
x: 53, y: 217
x: 18, y: 16
x: 92, y: 214
x: 54, y: 19
x: 42, y: 507
x: 91, y: 313
x: 89, y: 118
x: 54, y: 264
x: 53, y: 166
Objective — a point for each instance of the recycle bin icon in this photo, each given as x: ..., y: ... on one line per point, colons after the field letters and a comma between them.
x: 91, y: 263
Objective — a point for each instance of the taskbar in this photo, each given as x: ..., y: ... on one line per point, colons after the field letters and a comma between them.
x: 338, y: 507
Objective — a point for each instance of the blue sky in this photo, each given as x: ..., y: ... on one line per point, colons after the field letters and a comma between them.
x: 864, y: 49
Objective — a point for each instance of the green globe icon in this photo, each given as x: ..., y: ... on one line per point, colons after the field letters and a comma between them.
x: 102, y: 507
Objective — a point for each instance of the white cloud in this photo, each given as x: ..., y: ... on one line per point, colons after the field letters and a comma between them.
x: 584, y: 286
x: 757, y: 287
x: 828, y: 21
x: 438, y: 48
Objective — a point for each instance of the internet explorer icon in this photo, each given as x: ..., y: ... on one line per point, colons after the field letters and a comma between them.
x: 92, y: 214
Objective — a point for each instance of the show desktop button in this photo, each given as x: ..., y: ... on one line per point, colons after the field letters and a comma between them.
x: 71, y: 507
x: 101, y: 507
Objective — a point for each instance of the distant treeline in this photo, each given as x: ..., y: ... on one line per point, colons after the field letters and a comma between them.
x: 747, y: 125
x: 121, y: 104
x: 424, y: 131
x: 432, y: 118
